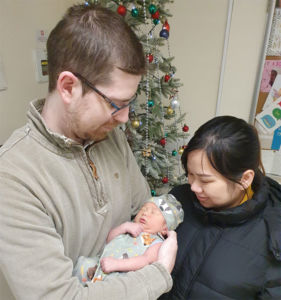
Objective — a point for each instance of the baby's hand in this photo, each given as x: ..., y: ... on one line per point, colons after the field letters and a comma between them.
x: 109, y: 264
x: 134, y: 229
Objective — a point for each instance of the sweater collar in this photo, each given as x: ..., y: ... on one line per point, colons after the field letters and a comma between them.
x: 58, y: 140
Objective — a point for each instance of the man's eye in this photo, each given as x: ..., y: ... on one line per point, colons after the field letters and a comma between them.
x: 121, y: 103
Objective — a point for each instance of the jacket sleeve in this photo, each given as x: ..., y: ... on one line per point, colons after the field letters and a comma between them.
x: 272, y: 287
x: 34, y: 262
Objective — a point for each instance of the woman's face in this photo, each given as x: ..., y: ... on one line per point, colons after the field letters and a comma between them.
x: 211, y: 188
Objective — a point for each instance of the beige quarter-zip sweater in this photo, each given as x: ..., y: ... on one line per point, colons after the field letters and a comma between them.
x: 53, y: 210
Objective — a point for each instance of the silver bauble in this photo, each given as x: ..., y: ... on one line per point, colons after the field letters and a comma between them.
x: 175, y: 103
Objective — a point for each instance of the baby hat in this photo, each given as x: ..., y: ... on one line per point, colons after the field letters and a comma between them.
x: 171, y: 209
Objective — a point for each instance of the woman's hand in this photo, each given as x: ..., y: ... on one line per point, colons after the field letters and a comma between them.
x: 168, y: 251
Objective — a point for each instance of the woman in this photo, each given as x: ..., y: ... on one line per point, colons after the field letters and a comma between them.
x: 230, y: 239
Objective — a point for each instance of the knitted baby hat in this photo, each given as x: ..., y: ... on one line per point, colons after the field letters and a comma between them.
x: 171, y: 209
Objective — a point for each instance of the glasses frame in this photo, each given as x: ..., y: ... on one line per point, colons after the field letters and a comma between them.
x: 115, y: 106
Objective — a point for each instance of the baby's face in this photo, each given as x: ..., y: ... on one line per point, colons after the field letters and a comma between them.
x: 151, y: 218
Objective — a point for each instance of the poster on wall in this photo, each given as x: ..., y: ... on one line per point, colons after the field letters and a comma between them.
x: 270, y: 117
x: 268, y: 109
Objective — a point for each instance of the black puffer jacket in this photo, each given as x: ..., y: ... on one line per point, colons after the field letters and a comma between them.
x: 230, y: 254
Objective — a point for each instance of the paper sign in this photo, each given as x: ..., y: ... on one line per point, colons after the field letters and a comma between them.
x: 270, y: 118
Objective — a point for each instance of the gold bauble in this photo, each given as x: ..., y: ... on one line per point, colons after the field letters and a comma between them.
x: 162, y: 19
x: 135, y: 123
x: 146, y: 152
x: 170, y: 111
x: 181, y: 150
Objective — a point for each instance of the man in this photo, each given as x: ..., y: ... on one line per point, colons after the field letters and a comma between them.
x: 69, y: 176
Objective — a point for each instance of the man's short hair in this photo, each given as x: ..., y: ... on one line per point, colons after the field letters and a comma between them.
x: 93, y: 40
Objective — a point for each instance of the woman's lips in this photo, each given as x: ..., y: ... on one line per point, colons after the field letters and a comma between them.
x: 200, y: 198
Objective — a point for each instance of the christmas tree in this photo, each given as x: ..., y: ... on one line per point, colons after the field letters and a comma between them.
x: 155, y: 131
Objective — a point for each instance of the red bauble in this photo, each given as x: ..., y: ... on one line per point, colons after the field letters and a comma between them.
x: 122, y: 10
x: 156, y: 15
x: 162, y: 142
x: 150, y: 58
x: 166, y: 26
x: 167, y: 77
x: 185, y: 128
x: 165, y: 180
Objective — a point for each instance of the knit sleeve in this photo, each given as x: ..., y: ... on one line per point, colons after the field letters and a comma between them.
x: 35, y: 265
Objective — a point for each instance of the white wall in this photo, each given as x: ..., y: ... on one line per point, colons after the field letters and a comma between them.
x: 19, y: 21
x: 245, y: 48
x: 196, y: 40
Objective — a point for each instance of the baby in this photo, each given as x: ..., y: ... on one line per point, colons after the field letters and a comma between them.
x: 132, y: 245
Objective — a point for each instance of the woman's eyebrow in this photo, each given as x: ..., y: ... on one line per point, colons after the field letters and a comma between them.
x: 204, y: 175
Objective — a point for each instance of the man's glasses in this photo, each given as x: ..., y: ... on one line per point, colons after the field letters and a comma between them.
x: 90, y: 85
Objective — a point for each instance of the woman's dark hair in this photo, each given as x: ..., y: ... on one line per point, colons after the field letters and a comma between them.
x: 232, y: 147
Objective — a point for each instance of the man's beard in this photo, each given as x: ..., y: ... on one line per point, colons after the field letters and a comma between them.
x: 101, y: 133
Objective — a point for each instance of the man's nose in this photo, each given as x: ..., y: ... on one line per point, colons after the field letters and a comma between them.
x: 122, y: 116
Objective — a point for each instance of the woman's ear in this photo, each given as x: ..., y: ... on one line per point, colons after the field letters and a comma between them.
x: 247, y: 178
x: 67, y: 85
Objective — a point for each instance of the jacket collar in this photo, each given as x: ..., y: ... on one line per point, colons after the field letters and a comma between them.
x: 235, y: 215
x: 266, y: 202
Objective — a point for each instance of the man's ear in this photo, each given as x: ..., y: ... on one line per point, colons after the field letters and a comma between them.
x: 247, y: 178
x: 68, y: 85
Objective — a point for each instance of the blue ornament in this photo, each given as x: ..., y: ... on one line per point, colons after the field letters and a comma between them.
x: 156, y: 21
x: 164, y: 33
x: 150, y: 103
x: 152, y: 8
x: 134, y: 12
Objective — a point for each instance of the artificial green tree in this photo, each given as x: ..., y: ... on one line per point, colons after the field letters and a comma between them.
x: 156, y: 130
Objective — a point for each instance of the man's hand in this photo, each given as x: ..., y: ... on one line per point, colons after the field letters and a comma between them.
x: 168, y: 251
